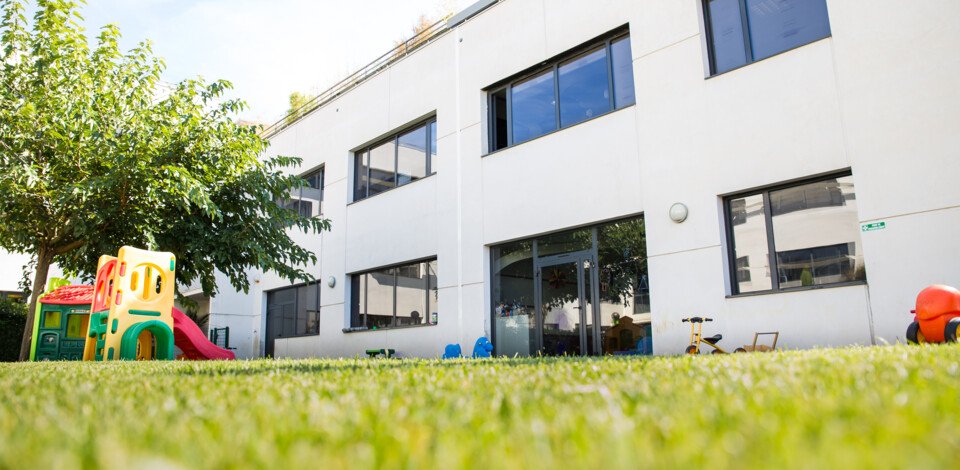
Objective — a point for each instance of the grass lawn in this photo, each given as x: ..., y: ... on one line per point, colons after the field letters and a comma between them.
x: 887, y: 407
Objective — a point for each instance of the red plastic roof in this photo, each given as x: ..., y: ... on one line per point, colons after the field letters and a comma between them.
x: 69, y: 295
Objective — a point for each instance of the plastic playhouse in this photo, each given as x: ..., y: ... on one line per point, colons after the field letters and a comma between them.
x: 128, y: 314
x: 936, y: 317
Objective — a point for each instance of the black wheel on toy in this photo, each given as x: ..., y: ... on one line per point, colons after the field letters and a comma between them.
x: 692, y: 350
x: 739, y: 350
x: 952, y: 330
x: 716, y: 351
x: 914, y: 335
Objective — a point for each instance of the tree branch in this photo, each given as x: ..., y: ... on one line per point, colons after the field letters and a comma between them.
x: 61, y: 249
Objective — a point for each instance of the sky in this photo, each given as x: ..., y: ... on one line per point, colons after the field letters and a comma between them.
x: 266, y: 48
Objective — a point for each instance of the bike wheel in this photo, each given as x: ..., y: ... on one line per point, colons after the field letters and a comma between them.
x: 692, y: 350
x: 717, y: 351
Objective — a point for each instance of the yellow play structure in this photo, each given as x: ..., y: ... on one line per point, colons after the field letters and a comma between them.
x: 131, y: 313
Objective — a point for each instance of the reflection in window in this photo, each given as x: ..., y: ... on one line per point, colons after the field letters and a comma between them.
x: 625, y: 319
x: 402, y: 295
x: 383, y: 175
x: 534, y: 107
x: 564, y: 242
x: 622, y: 64
x: 513, y: 299
x: 772, y: 26
x: 527, y: 108
x: 411, y: 147
x: 815, y: 236
x: 584, y: 87
x: 402, y: 159
x: 750, y: 243
x: 308, y: 200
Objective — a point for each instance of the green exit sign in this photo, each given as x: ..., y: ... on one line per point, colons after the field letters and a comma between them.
x: 873, y: 226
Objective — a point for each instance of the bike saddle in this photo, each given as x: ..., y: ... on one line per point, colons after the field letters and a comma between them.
x: 713, y: 339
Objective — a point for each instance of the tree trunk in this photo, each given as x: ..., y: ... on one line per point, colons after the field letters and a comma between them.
x: 44, y: 259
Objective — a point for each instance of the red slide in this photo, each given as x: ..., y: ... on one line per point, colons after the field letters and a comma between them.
x: 190, y: 339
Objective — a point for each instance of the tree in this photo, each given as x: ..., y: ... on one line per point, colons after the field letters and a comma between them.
x: 93, y: 158
x: 298, y: 103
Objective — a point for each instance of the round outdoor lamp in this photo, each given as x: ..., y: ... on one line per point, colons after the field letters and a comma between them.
x: 678, y: 212
x: 331, y: 281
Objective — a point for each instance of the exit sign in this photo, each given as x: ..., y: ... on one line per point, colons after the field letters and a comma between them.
x: 873, y: 226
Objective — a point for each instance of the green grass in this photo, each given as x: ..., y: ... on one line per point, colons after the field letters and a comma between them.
x: 882, y: 407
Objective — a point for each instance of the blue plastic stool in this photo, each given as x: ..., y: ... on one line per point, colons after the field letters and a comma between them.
x: 452, y: 351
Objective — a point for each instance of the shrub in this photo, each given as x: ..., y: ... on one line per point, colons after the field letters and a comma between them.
x: 13, y: 317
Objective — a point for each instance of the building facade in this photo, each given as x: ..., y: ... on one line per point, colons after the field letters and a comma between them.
x: 574, y: 177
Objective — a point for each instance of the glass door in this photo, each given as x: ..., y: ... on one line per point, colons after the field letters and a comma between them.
x: 563, y: 305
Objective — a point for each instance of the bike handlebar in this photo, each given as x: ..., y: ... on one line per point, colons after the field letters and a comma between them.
x: 696, y: 320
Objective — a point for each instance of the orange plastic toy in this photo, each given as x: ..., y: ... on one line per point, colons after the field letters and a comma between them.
x: 937, y: 317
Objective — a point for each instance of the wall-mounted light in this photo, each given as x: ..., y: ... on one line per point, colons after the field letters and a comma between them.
x: 678, y: 212
x: 331, y: 281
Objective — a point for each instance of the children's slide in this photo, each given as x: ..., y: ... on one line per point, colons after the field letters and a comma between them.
x: 190, y: 339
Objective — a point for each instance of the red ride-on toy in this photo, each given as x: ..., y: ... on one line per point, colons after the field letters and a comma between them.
x: 937, y: 317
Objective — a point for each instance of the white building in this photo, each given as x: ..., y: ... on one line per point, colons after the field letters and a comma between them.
x: 815, y: 145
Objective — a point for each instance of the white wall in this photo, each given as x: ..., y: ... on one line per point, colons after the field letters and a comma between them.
x: 877, y: 97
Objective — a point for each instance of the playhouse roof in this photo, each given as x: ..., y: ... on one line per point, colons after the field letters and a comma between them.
x: 69, y: 295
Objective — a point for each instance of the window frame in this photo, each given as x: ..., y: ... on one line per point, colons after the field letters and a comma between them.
x: 351, y: 328
x: 553, y: 64
x: 731, y: 254
x: 321, y: 170
x: 748, y: 47
x: 363, y: 152
x: 296, y: 308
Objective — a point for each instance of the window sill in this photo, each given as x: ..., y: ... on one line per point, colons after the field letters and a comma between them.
x: 311, y: 335
x: 389, y: 328
x: 391, y: 189
x: 629, y: 106
x: 797, y: 289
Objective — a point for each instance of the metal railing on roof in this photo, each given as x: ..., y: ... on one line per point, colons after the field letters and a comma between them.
x: 399, y: 52
x: 402, y: 50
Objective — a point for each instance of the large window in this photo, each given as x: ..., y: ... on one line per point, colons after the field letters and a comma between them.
x: 743, y: 31
x: 542, y: 301
x: 308, y: 200
x: 401, y: 159
x: 580, y: 85
x: 404, y: 295
x: 292, y: 312
x: 795, y: 236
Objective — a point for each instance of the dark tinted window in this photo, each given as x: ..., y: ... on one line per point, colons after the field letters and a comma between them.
x: 498, y: 118
x: 397, y: 296
x: 292, y: 312
x: 402, y: 159
x: 584, y: 87
x: 580, y: 85
x: 534, y: 107
x: 726, y: 34
x: 361, y: 176
x: 772, y: 26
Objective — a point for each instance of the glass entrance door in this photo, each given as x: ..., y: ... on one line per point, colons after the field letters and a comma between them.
x: 563, y: 305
